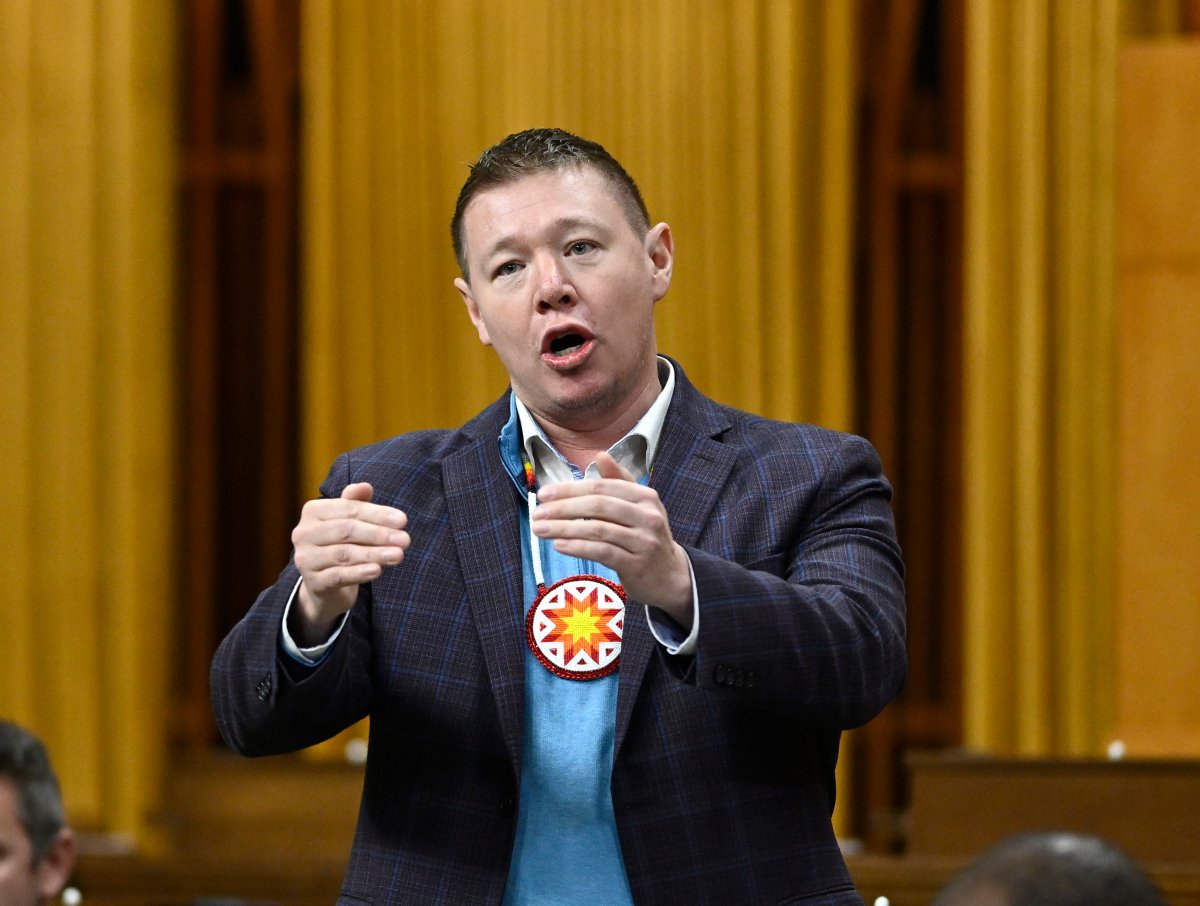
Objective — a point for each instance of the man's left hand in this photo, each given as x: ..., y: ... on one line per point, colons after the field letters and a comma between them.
x: 622, y: 524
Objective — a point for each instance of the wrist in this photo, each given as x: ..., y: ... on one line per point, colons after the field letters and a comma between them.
x: 679, y: 602
x: 307, y: 622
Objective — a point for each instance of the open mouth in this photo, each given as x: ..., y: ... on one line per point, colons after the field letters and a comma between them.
x: 567, y: 349
x: 567, y: 344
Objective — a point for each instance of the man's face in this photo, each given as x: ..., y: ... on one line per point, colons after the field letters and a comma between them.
x: 564, y: 289
x: 21, y: 882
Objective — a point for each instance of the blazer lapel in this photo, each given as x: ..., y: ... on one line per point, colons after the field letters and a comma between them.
x: 486, y: 528
x: 690, y: 471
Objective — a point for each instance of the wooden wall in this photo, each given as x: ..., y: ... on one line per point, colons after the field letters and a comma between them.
x: 1158, y: 399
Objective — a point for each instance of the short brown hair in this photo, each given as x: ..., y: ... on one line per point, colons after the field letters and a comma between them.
x: 534, y: 151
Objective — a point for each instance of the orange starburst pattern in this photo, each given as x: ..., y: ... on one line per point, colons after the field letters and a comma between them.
x: 575, y: 626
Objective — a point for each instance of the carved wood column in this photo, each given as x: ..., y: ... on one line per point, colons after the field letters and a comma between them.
x: 238, y: 343
x: 908, y: 345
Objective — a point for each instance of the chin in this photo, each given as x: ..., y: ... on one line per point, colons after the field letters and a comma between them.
x: 594, y: 399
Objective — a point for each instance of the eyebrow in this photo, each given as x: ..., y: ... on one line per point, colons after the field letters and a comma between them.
x: 559, y: 225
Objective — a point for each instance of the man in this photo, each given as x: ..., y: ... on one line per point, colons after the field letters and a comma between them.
x: 608, y: 632
x: 1052, y: 869
x: 37, y: 849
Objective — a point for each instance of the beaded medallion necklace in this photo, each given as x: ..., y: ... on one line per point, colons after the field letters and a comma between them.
x: 574, y: 627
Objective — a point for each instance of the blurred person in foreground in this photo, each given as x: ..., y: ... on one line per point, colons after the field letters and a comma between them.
x: 37, y: 849
x: 1052, y: 869
x: 534, y: 740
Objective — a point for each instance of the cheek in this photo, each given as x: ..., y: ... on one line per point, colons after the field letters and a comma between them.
x: 508, y: 332
x: 11, y: 887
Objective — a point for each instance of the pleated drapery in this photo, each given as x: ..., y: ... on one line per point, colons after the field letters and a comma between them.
x: 1038, y: 369
x: 86, y: 393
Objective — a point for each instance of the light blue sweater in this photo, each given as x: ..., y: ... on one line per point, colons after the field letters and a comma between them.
x: 566, y: 850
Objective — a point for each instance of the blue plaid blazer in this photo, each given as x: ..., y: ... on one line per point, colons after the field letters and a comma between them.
x: 723, y: 774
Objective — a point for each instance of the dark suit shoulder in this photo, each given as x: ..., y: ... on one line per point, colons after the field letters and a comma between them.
x: 758, y: 430
x: 693, y: 411
x: 403, y: 466
x: 770, y: 442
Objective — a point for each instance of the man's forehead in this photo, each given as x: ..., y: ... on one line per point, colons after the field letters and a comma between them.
x: 571, y: 181
x: 547, y: 201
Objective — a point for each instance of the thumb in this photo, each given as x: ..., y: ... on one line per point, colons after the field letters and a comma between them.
x: 359, y: 491
x: 610, y: 468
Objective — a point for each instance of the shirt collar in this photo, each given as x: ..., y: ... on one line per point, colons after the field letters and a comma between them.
x: 635, y: 451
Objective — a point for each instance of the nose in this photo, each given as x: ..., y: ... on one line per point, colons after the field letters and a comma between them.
x: 554, y: 289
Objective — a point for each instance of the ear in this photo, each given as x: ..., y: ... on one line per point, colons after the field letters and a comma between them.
x: 54, y: 869
x: 464, y: 290
x: 660, y: 249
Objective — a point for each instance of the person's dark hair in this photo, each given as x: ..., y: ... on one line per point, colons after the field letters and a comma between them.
x: 24, y: 761
x: 1052, y: 869
x: 536, y: 151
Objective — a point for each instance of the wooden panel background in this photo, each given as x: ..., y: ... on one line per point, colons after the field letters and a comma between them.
x: 1158, y: 399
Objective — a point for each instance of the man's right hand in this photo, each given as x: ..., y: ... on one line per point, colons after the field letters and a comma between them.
x: 339, y: 544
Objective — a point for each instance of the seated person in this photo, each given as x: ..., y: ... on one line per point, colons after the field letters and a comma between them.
x: 1051, y: 869
x: 37, y: 849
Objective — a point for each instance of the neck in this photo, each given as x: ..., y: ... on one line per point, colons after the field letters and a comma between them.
x: 580, y: 439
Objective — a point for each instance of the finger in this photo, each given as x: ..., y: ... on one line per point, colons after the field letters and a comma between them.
x: 315, y: 560
x: 599, y: 507
x: 614, y: 479
x: 607, y: 542
x: 610, y: 555
x: 606, y: 487
x: 331, y: 509
x: 590, y: 529
x: 349, y: 531
x: 615, y: 556
x: 321, y: 583
x: 350, y: 556
x: 610, y: 468
x: 361, y: 490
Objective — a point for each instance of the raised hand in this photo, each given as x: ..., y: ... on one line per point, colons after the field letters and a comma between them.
x: 341, y: 543
x: 622, y: 524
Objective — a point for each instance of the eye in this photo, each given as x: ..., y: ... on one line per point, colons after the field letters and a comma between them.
x: 508, y: 268
x: 582, y: 247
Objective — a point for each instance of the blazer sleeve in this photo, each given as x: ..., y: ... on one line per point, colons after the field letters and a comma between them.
x: 815, y: 628
x: 265, y: 702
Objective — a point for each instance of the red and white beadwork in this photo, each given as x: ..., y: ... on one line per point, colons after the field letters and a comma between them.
x: 574, y: 627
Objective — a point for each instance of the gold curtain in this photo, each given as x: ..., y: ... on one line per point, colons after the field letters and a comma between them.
x: 86, y: 146
x: 735, y: 118
x: 1038, y: 376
